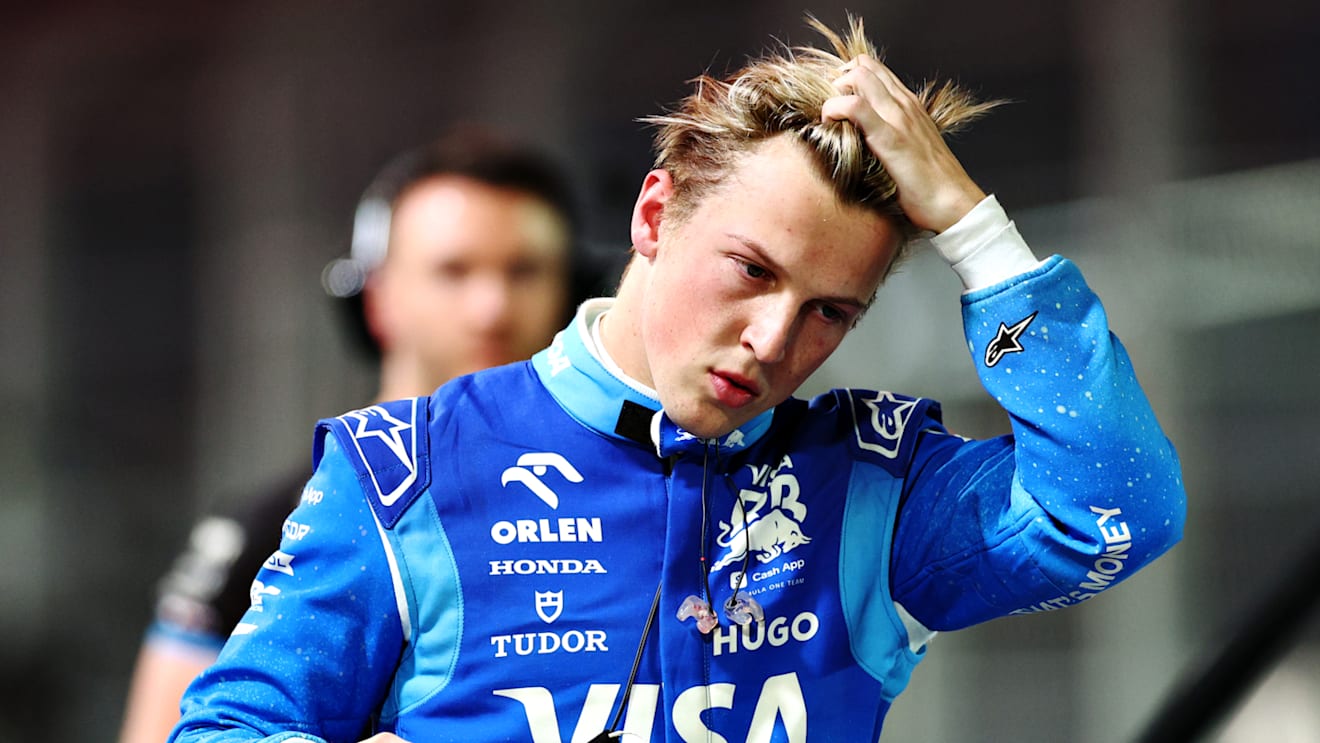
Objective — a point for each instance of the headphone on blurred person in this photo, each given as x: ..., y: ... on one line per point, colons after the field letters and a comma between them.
x: 466, y: 150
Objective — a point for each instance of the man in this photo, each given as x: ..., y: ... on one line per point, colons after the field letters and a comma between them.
x: 462, y: 258
x: 641, y: 534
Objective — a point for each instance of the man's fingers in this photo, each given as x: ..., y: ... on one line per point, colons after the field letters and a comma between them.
x: 934, y: 190
x: 861, y: 82
x: 886, y: 76
x: 846, y: 82
x: 869, y: 111
x: 852, y: 108
x: 866, y: 101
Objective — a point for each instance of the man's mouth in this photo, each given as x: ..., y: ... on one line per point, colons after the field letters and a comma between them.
x: 734, y: 390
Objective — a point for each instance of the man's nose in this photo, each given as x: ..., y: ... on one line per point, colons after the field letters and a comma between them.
x: 770, y: 330
x: 490, y: 297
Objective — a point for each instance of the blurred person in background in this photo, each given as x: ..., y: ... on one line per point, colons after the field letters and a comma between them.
x: 464, y: 256
x: 640, y: 534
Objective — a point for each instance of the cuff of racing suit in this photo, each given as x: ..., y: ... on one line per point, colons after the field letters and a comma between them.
x: 984, y: 247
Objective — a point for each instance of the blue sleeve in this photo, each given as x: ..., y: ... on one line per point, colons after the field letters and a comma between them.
x: 1085, y: 491
x: 315, y: 654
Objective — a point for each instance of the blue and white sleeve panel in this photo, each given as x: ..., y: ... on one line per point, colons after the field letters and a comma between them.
x: 315, y: 652
x: 1092, y: 468
x: 1085, y: 491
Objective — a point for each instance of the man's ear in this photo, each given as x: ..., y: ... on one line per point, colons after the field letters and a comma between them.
x: 375, y: 312
x: 657, y: 189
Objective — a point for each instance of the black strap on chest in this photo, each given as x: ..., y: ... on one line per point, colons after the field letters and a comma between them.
x: 612, y: 733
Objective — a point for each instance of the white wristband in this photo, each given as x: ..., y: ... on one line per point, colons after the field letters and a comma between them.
x: 984, y: 247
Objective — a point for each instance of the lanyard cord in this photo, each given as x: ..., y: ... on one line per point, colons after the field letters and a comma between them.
x: 747, y: 536
x: 705, y: 522
x: 747, y: 553
x: 632, y: 675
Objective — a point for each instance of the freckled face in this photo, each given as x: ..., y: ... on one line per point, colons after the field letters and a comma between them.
x: 755, y: 288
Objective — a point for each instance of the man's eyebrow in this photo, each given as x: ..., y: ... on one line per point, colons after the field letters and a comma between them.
x: 763, y: 257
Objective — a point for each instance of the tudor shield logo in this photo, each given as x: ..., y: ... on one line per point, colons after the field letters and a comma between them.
x: 549, y: 605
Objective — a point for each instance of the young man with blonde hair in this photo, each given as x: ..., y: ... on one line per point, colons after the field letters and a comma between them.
x: 640, y: 533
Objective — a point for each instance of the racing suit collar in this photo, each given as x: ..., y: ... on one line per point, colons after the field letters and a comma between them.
x: 587, y: 384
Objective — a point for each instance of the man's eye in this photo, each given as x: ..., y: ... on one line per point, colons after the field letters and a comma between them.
x: 525, y: 271
x: 832, y: 313
x: 452, y: 271
x: 754, y: 271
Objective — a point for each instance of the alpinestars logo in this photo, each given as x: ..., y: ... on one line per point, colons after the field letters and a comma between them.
x: 374, y: 427
x: 533, y: 466
x: 769, y: 521
x: 1006, y: 340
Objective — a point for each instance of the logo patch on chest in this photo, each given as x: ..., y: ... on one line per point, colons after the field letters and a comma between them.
x: 767, y: 519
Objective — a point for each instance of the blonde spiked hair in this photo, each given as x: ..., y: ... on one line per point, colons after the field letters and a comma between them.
x: 700, y: 140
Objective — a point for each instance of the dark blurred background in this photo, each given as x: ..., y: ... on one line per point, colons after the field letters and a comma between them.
x: 173, y: 176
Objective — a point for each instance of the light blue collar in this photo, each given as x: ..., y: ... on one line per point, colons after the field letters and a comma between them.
x: 592, y: 388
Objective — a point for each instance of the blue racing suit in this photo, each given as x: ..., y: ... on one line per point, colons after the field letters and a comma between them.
x: 480, y: 564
